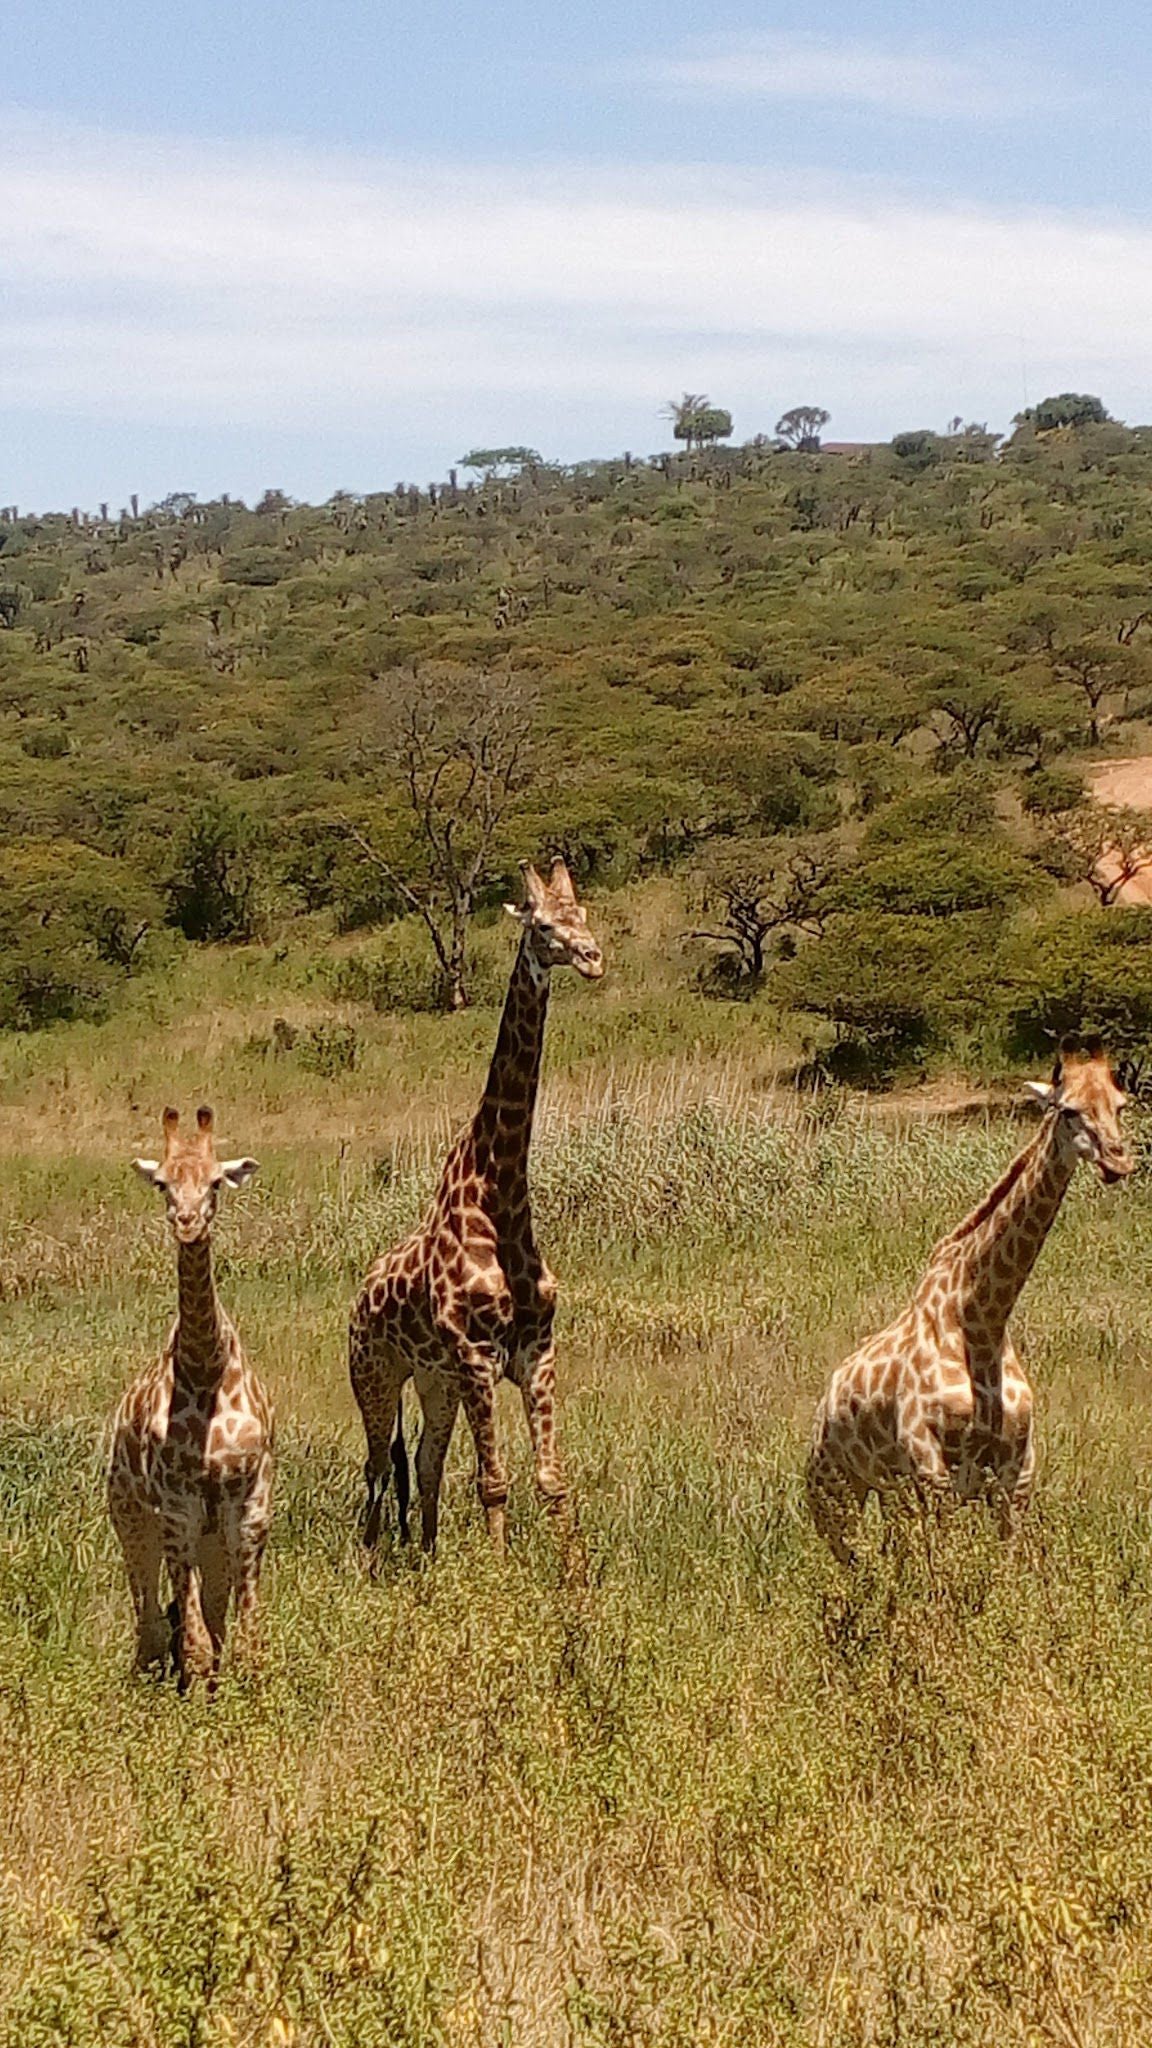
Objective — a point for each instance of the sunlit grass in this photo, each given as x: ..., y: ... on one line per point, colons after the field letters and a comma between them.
x: 719, y: 1794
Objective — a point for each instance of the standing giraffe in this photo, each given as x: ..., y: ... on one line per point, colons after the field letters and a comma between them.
x: 468, y: 1299
x: 939, y: 1398
x: 190, y: 1476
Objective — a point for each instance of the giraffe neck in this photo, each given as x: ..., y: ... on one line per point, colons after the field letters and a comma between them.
x: 201, y: 1327
x: 986, y: 1261
x: 502, y: 1131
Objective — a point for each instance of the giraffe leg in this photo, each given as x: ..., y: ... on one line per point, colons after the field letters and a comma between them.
x: 1015, y: 1491
x: 138, y: 1530
x: 248, y: 1535
x: 378, y: 1374
x: 440, y: 1403
x: 834, y: 1502
x: 479, y: 1372
x: 195, y: 1655
x: 536, y: 1378
x: 215, y: 1590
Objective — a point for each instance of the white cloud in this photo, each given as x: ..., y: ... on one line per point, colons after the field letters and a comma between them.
x: 989, y: 86
x: 154, y: 283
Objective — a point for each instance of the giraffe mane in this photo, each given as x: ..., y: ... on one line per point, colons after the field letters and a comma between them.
x: 992, y: 1200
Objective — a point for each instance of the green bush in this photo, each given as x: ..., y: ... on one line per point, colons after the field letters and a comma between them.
x: 1084, y: 970
x: 936, y: 877
x: 328, y: 1049
x: 71, y: 921
x: 900, y: 981
x: 211, y: 884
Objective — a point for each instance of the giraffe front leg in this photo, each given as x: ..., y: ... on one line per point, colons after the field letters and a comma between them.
x: 535, y: 1374
x: 536, y: 1378
x: 215, y: 1584
x: 479, y: 1370
x: 138, y: 1529
x: 1014, y: 1492
x: 195, y: 1653
x: 440, y: 1404
x: 246, y: 1558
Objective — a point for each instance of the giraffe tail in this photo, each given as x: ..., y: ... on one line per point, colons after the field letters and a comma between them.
x: 401, y: 1477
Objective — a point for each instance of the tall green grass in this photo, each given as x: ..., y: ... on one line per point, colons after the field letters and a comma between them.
x: 722, y: 1794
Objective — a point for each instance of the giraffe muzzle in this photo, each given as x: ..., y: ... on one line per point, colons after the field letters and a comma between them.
x: 1118, y: 1167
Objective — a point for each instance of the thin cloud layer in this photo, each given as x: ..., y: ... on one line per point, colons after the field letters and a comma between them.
x: 143, y: 283
x: 802, y: 68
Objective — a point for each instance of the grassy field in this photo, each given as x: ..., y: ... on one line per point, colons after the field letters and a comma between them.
x: 721, y: 1794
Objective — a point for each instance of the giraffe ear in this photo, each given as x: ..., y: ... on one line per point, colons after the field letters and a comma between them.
x: 237, y: 1171
x: 516, y: 910
x: 149, y: 1170
x: 1040, y: 1091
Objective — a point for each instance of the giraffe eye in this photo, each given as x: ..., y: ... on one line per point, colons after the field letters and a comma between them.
x: 545, y: 930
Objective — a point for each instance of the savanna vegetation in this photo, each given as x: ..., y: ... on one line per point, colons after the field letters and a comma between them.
x: 815, y: 730
x: 845, y: 700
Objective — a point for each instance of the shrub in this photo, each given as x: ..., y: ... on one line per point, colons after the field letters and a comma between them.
x: 898, y: 981
x: 936, y: 877
x: 211, y: 886
x: 69, y: 919
x: 1052, y: 790
x: 1084, y: 970
x: 328, y: 1049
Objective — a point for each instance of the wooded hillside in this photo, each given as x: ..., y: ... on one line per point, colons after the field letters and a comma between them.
x: 848, y: 698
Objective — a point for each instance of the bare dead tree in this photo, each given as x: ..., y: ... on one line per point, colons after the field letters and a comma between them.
x: 458, y: 744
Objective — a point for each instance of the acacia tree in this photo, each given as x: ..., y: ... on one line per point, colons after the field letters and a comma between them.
x: 1098, y: 666
x: 459, y: 745
x: 1105, y: 845
x: 802, y: 427
x: 750, y: 891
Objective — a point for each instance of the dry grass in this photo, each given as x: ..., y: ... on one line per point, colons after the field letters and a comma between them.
x: 721, y: 1795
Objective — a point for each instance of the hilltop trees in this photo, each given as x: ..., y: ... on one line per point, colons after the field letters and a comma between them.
x: 71, y: 922
x: 729, y: 657
x: 493, y: 462
x: 1067, y: 409
x: 696, y: 421
x: 802, y: 427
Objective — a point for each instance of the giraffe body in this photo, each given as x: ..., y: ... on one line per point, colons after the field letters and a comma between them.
x: 939, y: 1401
x: 190, y: 1473
x: 468, y: 1300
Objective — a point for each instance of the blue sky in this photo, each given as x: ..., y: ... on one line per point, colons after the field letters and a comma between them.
x: 334, y: 246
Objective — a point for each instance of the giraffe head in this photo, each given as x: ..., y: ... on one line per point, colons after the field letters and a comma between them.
x: 555, y: 925
x: 190, y: 1176
x: 1086, y: 1099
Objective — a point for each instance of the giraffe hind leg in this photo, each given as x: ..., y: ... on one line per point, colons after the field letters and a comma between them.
x: 401, y: 1476
x: 378, y: 1372
x: 834, y: 1503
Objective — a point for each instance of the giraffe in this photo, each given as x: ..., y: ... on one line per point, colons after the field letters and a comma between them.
x: 467, y: 1299
x: 939, y: 1399
x: 190, y: 1474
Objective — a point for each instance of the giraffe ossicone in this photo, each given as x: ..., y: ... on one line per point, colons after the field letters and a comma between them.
x: 938, y: 1402
x: 190, y: 1471
x: 468, y: 1300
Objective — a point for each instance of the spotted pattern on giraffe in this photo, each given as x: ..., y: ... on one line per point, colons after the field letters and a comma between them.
x: 468, y: 1299
x: 938, y: 1405
x: 191, y: 1465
